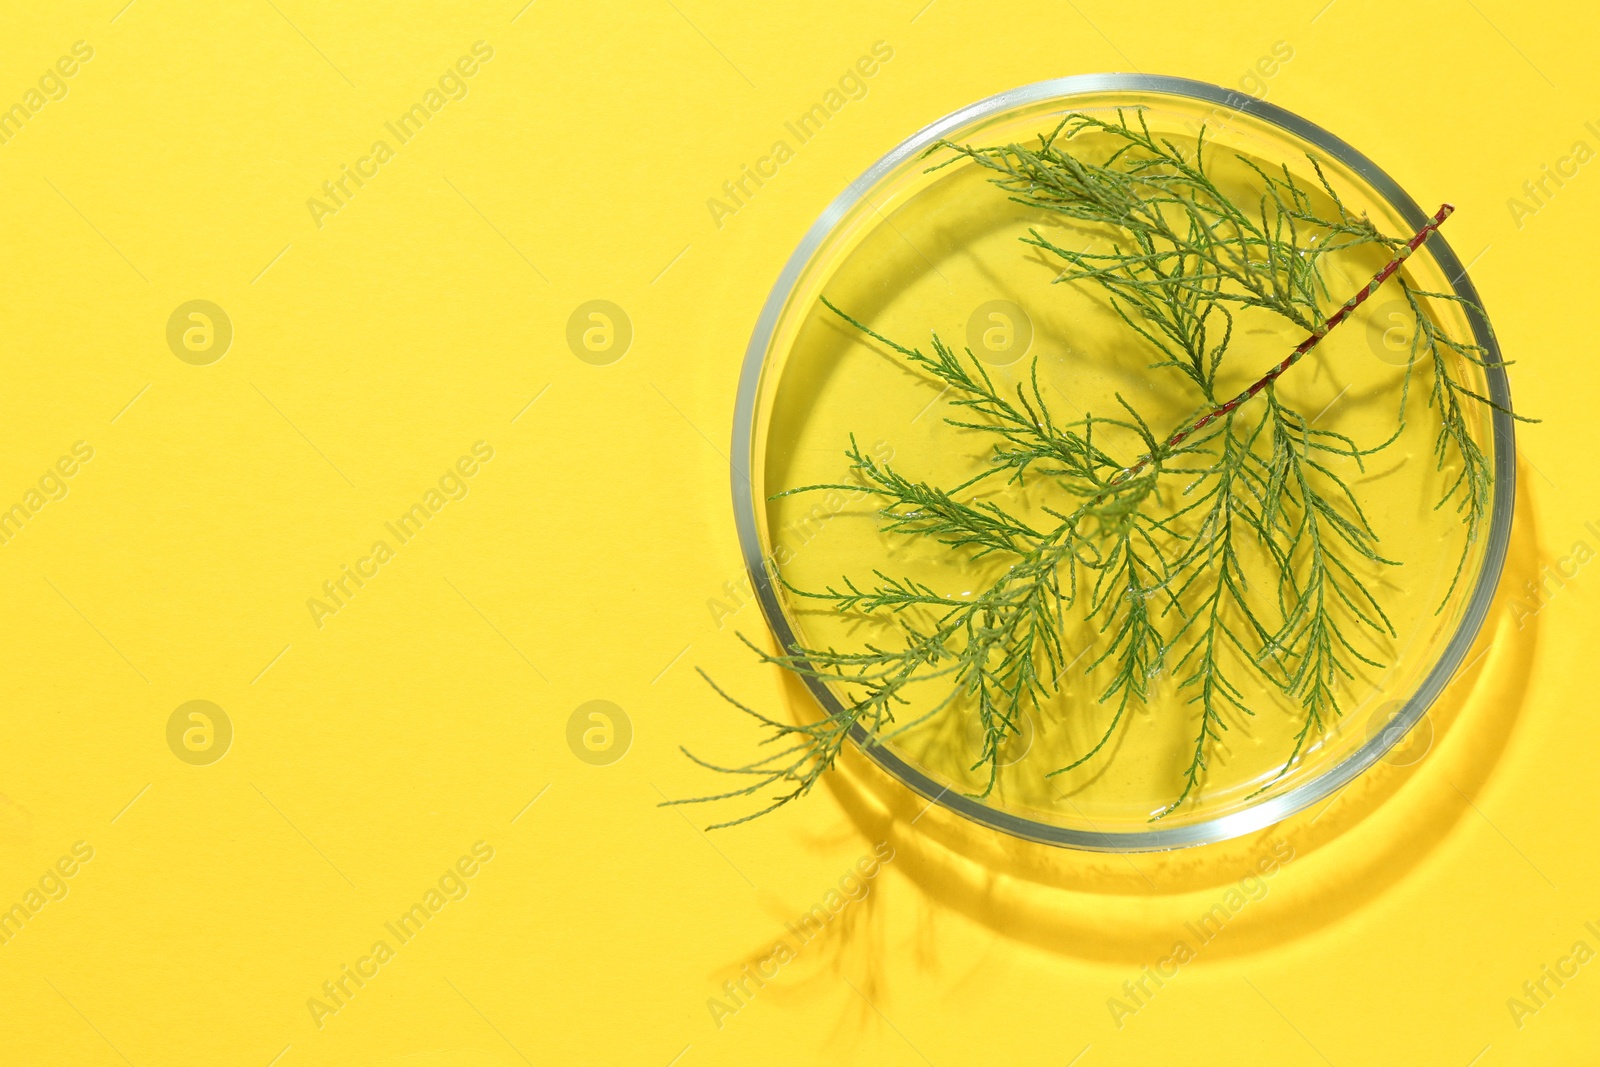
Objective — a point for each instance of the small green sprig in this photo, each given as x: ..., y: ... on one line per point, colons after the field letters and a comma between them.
x: 1151, y: 549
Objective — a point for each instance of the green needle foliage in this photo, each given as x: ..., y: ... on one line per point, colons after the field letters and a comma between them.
x: 1233, y: 562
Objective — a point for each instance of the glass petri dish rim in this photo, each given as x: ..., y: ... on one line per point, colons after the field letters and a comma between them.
x: 1268, y: 810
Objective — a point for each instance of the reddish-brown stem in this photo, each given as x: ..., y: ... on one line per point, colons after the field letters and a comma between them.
x: 1305, y: 346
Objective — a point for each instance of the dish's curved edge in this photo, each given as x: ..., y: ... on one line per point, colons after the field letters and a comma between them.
x: 1274, y: 809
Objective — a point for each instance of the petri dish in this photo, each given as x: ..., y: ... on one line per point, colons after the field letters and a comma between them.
x: 911, y: 250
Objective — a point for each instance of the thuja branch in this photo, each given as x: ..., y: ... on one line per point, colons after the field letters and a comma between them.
x: 1162, y: 585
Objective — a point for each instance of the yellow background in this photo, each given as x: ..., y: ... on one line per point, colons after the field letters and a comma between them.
x: 372, y: 752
